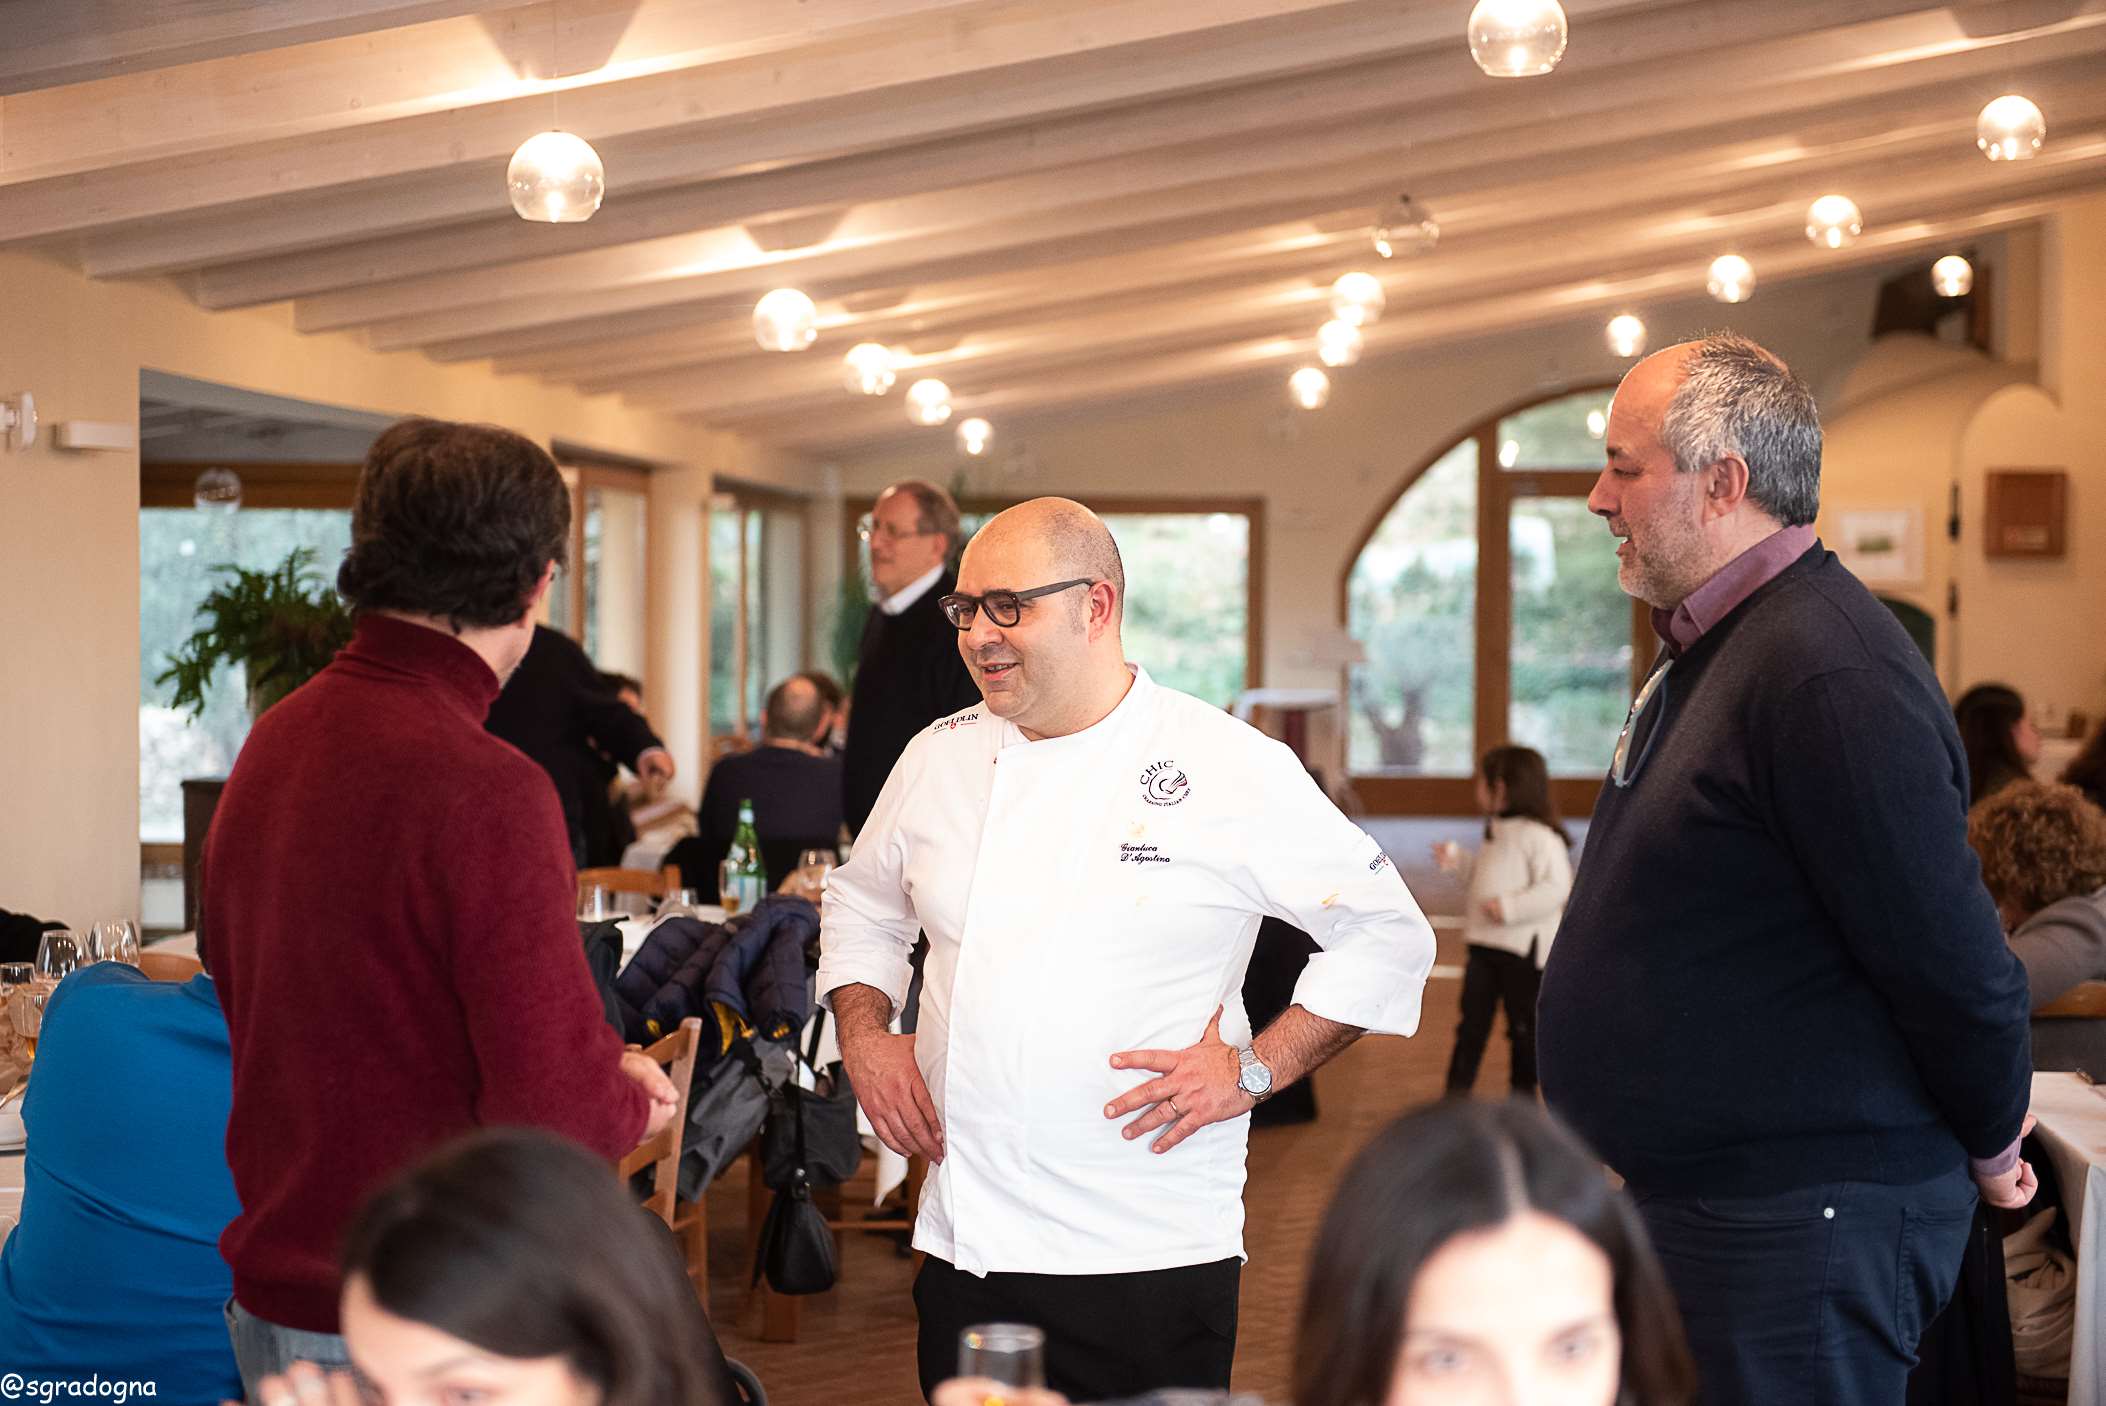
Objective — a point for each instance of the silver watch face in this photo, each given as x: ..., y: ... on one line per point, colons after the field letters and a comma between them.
x: 1256, y: 1079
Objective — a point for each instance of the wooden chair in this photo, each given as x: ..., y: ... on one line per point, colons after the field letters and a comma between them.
x: 2085, y: 1001
x: 648, y: 882
x: 169, y: 966
x: 661, y: 1150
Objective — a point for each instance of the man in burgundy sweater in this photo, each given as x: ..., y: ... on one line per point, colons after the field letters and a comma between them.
x: 388, y: 891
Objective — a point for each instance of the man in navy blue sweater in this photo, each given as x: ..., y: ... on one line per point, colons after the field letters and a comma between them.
x: 1780, y: 1003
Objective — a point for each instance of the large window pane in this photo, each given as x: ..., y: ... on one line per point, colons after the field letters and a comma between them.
x: 1558, y: 434
x: 726, y: 534
x: 1571, y: 636
x: 615, y: 582
x: 178, y: 549
x: 1187, y: 602
x: 1412, y: 602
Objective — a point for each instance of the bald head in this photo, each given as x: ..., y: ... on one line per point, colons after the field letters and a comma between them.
x: 1074, y: 541
x: 794, y: 710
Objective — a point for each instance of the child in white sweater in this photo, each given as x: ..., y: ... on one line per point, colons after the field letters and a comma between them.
x: 1518, y: 884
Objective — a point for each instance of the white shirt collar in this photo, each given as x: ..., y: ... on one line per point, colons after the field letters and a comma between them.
x: 914, y: 590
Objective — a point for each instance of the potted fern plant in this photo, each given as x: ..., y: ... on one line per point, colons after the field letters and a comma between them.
x: 280, y: 625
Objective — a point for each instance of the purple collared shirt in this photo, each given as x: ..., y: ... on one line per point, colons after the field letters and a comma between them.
x: 1714, y: 601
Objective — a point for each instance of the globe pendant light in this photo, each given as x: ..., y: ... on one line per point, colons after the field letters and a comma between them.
x: 1310, y: 388
x: 1339, y: 343
x: 1732, y: 279
x: 1357, y: 298
x: 1834, y: 221
x: 928, y: 402
x: 1625, y: 335
x: 974, y: 436
x: 217, y: 490
x: 785, y: 320
x: 556, y: 178
x: 1517, y: 38
x: 870, y: 368
x: 1404, y: 227
x: 1597, y: 423
x: 2010, y: 129
x: 1952, y: 277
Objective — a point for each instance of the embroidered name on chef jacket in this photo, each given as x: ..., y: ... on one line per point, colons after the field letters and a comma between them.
x: 1142, y: 854
x: 1162, y: 784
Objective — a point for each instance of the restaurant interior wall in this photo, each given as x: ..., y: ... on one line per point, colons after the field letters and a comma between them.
x: 69, y: 535
x: 1327, y: 475
x: 1941, y: 419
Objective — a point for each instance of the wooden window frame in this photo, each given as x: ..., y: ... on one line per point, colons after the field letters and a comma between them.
x: 1497, y: 489
x: 263, y: 485
x: 1252, y: 510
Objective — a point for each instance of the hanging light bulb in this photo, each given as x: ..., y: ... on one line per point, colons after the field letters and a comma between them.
x: 1338, y: 343
x: 1626, y: 335
x: 785, y: 320
x: 870, y: 368
x: 1309, y: 388
x: 2010, y: 129
x: 974, y: 436
x: 1517, y: 38
x: 1732, y: 279
x: 928, y: 402
x: 1509, y: 453
x: 1597, y: 424
x: 556, y: 178
x: 1405, y: 227
x: 1357, y: 298
x: 1952, y: 277
x: 217, y: 491
x: 1834, y: 221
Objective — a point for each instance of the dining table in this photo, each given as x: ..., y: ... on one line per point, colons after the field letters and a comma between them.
x: 2071, y: 1127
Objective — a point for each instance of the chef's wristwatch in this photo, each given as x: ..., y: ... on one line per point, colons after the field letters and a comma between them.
x: 1254, y: 1079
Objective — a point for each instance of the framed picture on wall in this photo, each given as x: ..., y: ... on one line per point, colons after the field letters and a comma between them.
x: 1881, y: 546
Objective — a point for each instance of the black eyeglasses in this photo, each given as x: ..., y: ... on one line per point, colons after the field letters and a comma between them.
x: 1623, y: 768
x: 1005, y: 608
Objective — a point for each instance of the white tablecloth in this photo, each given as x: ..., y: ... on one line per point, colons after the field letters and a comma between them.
x: 2072, y: 1127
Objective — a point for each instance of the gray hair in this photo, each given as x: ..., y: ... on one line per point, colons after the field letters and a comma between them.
x: 1738, y: 399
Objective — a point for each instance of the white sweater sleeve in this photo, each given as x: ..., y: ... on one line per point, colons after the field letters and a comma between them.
x: 1549, y: 877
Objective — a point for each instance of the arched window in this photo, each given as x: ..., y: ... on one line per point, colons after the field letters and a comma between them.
x: 1485, y: 598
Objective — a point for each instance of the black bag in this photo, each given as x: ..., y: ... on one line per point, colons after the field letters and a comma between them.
x: 796, y: 1249
x: 817, y: 1132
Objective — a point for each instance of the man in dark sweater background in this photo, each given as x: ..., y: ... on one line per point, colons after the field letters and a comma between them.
x: 794, y: 786
x: 908, y: 673
x: 1780, y: 1003
x: 388, y: 893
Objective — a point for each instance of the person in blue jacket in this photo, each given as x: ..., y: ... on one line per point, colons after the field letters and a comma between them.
x: 115, y: 1269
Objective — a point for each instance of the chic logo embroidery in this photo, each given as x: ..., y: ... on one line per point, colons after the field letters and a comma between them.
x: 1162, y: 784
x: 953, y: 724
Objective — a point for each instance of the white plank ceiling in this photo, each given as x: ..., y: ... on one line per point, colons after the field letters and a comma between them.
x: 1043, y: 202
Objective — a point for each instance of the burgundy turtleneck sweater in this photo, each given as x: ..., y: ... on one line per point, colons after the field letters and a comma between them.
x: 388, y: 912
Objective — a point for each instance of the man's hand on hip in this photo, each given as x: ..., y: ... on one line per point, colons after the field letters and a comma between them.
x: 1199, y: 1086
x: 889, y: 1085
x: 665, y: 1099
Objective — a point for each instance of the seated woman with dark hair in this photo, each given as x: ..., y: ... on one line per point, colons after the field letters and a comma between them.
x: 2043, y: 851
x: 1475, y: 1252
x: 511, y: 1267
x: 1999, y: 738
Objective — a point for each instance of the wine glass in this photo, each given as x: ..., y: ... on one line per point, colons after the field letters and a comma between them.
x: 681, y: 903
x: 116, y: 941
x: 1012, y: 1354
x: 596, y: 905
x: 58, y: 956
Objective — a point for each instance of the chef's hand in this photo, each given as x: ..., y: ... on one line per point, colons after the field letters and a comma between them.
x: 2014, y: 1188
x: 889, y: 1085
x: 1199, y: 1086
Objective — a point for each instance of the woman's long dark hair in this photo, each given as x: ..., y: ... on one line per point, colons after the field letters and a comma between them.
x: 1442, y: 1171
x: 1526, y: 777
x: 526, y: 1245
x: 1986, y: 714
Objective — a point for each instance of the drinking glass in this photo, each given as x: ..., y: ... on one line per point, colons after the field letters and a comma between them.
x: 116, y: 941
x: 58, y: 955
x: 1013, y: 1354
x: 681, y: 903
x: 596, y: 905
x: 27, y: 1012
x: 14, y: 974
x: 731, y: 888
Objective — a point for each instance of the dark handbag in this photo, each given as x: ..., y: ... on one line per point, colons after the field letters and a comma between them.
x: 817, y: 1133
x: 796, y: 1249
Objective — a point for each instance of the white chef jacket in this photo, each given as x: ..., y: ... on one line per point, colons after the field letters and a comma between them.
x: 1089, y: 894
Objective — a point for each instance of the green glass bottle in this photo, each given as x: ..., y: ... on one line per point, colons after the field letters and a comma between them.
x: 746, y: 880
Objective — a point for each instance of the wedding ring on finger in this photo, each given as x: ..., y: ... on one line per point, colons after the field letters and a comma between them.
x: 1171, y: 1103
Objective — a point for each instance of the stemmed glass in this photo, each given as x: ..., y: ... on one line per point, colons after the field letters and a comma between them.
x: 116, y: 941
x: 813, y: 865
x: 681, y: 903
x: 58, y: 956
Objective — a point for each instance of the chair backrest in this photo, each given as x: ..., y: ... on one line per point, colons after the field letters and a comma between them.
x: 654, y: 883
x: 677, y: 1053
x: 169, y: 966
x: 2086, y: 1001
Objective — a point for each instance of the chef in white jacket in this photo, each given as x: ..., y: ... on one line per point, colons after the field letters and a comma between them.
x: 1090, y: 854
